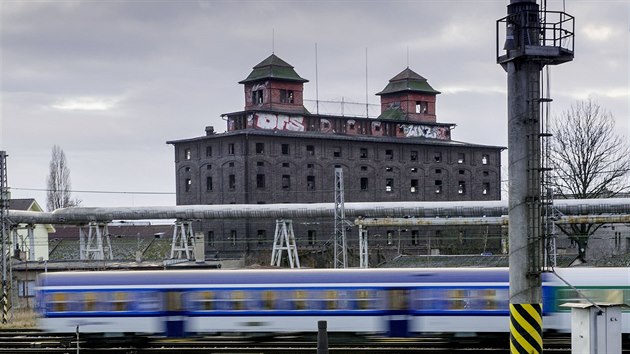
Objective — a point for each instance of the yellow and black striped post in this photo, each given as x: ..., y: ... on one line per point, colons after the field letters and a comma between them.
x: 5, y: 304
x: 526, y: 329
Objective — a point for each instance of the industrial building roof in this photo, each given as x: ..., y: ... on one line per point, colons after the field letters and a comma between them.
x: 408, y: 81
x: 273, y: 68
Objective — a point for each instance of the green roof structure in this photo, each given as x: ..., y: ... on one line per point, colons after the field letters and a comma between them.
x: 408, y: 81
x: 273, y: 68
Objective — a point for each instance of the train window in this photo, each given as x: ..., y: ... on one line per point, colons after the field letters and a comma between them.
x: 174, y: 301
x: 398, y: 299
x: 60, y: 302
x: 331, y: 299
x: 299, y: 297
x: 268, y: 299
x: 457, y: 299
x: 90, y: 301
x: 207, y: 300
x: 363, y: 300
x: 238, y: 300
x: 147, y: 301
x: 120, y: 301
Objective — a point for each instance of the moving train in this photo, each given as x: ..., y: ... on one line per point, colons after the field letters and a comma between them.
x: 392, y: 302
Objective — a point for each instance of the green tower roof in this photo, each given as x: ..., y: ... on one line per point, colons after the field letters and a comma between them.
x: 408, y: 80
x: 273, y: 68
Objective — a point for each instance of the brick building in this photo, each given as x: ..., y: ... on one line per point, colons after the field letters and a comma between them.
x: 276, y: 151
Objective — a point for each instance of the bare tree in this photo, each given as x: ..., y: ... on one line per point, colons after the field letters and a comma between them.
x: 58, y: 182
x: 589, y: 159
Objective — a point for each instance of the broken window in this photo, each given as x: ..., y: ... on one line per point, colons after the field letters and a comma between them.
x: 310, y: 183
x: 486, y: 188
x: 389, y: 154
x: 187, y: 184
x: 414, y: 170
x: 285, y: 164
x: 422, y: 107
x: 187, y: 154
x: 462, y: 172
x: 260, y: 148
x: 484, y: 159
x: 438, y: 186
x: 363, y: 153
x: 437, y: 157
x: 485, y: 173
x: 461, y: 158
x: 337, y: 152
x: 310, y: 150
x: 286, y: 96
x: 413, y: 155
x: 414, y: 186
x: 257, y: 96
x: 389, y: 184
x: 461, y: 187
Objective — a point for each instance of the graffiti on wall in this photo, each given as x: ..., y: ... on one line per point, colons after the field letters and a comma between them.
x: 426, y: 131
x: 276, y: 122
x: 325, y: 126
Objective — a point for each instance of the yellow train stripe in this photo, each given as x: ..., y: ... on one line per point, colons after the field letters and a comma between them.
x: 525, y: 328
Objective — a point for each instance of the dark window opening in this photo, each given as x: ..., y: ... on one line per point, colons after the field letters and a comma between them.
x: 285, y: 164
x: 231, y: 149
x: 438, y: 170
x: 484, y: 159
x: 461, y: 187
x: 337, y: 152
x: 438, y: 186
x: 461, y: 158
x: 260, y: 181
x: 364, y: 183
x: 188, y: 184
x: 210, y: 240
x: 261, y: 236
x: 208, y: 151
x: 414, y: 186
x: 363, y: 153
x: 231, y: 182
x: 233, y: 237
x: 414, y: 170
x: 312, y: 237
x: 257, y: 96
x: 422, y: 107
x: 286, y: 96
x: 310, y: 150
x: 260, y: 148
x: 486, y: 188
x: 310, y: 183
x: 413, y: 156
x: 389, y: 154
x: 415, y: 237
x: 485, y: 173
x: 286, y: 181
x: 285, y: 149
x: 389, y: 184
x: 462, y: 172
x: 187, y: 154
x: 364, y: 168
x: 437, y: 157
x: 260, y: 163
x: 310, y: 165
x: 208, y: 183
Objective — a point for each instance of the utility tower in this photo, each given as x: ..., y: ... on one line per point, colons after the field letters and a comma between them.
x: 528, y: 39
x: 340, y: 253
x: 4, y: 233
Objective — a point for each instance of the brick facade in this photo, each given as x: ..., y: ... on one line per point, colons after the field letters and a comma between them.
x: 276, y: 152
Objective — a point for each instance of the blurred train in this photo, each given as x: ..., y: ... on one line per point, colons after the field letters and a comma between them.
x: 393, y: 302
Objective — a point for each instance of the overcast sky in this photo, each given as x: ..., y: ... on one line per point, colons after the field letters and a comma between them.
x: 111, y: 81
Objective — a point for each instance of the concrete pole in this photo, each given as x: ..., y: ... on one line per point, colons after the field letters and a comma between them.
x: 524, y: 184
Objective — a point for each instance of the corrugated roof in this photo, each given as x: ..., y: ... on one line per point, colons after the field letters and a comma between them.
x: 273, y: 68
x: 408, y: 80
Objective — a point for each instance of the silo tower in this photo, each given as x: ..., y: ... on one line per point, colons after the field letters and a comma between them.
x: 528, y: 39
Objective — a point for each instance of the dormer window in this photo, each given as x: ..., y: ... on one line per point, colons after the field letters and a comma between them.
x: 257, y: 96
x: 286, y: 96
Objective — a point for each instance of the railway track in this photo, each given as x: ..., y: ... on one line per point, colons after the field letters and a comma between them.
x: 32, y: 341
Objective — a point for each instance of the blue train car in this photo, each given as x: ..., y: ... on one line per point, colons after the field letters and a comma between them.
x: 395, y: 302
